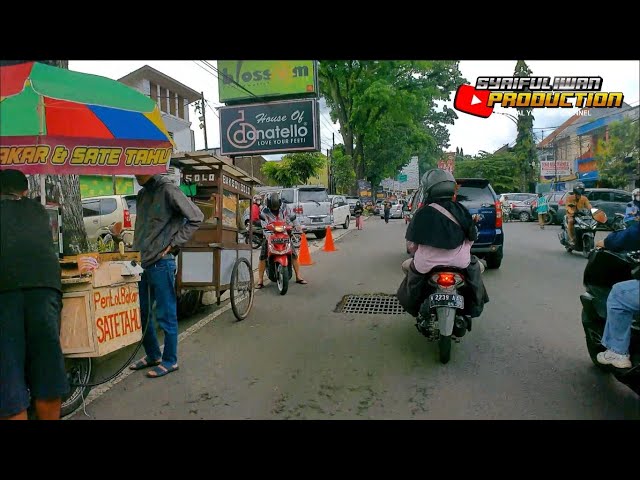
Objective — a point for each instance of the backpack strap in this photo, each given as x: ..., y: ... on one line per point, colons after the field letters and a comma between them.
x: 445, y: 212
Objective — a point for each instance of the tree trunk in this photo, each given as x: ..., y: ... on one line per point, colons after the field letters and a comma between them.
x: 64, y: 190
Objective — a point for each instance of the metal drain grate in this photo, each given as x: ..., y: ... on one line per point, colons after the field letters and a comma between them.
x: 375, y: 304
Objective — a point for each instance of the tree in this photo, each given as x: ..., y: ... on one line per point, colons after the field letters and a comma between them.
x: 362, y: 95
x: 500, y: 169
x: 295, y: 168
x: 619, y: 155
x: 342, y: 170
x: 525, y: 148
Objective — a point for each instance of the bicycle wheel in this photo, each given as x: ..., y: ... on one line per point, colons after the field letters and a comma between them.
x: 241, y: 288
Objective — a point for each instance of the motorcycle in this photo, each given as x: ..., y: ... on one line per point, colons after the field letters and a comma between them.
x: 441, y: 315
x: 279, y: 253
x: 257, y: 235
x: 585, y: 225
x: 604, y: 269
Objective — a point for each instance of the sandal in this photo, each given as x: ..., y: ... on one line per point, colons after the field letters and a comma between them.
x: 144, y: 363
x: 302, y: 282
x: 161, y: 371
x: 259, y: 286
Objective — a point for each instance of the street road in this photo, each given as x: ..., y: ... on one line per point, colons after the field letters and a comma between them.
x: 295, y: 358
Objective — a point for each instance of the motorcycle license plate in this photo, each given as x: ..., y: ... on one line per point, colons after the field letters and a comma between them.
x: 446, y: 300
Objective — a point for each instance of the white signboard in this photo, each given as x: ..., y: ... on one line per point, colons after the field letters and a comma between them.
x: 549, y: 168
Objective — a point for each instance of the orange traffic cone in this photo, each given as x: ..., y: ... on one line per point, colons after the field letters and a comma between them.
x: 328, y: 242
x: 304, y: 257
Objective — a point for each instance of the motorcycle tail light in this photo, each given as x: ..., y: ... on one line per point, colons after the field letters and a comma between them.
x: 446, y: 279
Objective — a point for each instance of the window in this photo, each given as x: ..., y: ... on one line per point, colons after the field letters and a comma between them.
x: 599, y: 196
x: 475, y: 195
x: 153, y: 91
x: 621, y: 197
x: 181, y: 107
x: 172, y: 103
x: 287, y: 196
x: 163, y: 99
x: 131, y: 204
x: 91, y: 208
x: 313, y: 195
x: 107, y: 206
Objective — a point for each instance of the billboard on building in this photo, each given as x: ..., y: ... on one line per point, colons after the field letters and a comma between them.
x: 550, y: 168
x: 260, y: 80
x: 270, y: 128
x: 364, y: 192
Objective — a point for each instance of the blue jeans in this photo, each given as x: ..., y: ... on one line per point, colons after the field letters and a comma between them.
x: 159, y: 281
x: 622, y: 304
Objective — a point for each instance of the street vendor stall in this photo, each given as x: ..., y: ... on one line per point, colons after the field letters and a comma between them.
x: 59, y: 122
x: 217, y: 258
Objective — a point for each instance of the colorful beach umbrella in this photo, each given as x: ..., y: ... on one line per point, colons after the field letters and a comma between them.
x: 57, y: 121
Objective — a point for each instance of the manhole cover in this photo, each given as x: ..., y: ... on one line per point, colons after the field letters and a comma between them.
x: 373, y: 304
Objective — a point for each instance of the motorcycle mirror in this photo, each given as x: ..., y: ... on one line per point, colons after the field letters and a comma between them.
x: 292, y: 217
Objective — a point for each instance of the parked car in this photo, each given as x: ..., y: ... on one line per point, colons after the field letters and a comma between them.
x: 378, y: 206
x: 311, y: 205
x: 522, y: 210
x: 101, y: 212
x: 552, y: 201
x: 516, y: 197
x: 396, y: 209
x: 340, y: 211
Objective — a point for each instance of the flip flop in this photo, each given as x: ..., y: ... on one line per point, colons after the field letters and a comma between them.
x: 161, y: 371
x: 302, y: 282
x: 259, y: 286
x: 144, y: 363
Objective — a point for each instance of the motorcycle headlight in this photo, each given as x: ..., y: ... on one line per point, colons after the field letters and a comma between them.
x: 279, y: 229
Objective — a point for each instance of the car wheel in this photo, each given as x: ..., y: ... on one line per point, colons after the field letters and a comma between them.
x: 346, y: 223
x: 524, y: 217
x: 494, y: 260
x: 320, y: 234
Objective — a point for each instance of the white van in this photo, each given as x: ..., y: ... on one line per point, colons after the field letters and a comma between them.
x: 340, y: 211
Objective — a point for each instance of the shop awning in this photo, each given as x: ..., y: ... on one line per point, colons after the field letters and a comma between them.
x: 204, y: 162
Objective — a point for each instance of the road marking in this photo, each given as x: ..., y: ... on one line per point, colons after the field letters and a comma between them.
x: 100, y: 390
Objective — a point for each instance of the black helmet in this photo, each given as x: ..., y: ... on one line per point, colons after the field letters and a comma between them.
x: 578, y: 188
x: 438, y: 184
x: 273, y: 202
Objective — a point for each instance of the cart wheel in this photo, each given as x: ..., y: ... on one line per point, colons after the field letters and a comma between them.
x: 78, y: 372
x: 241, y: 288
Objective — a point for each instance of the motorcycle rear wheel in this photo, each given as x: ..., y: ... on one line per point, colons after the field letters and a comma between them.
x: 593, y: 338
x: 444, y: 345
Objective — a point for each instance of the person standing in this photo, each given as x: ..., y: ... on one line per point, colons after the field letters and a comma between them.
x: 357, y: 211
x: 543, y: 210
x: 166, y: 220
x: 31, y: 359
x: 387, y: 210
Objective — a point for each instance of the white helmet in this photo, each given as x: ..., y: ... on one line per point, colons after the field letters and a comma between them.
x: 635, y: 195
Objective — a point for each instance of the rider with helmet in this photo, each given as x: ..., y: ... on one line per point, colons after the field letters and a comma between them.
x: 276, y: 210
x: 632, y: 213
x: 576, y: 201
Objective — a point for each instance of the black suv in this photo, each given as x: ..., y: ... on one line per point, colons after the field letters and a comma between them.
x: 479, y: 197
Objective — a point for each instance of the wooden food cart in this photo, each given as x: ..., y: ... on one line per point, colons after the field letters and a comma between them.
x: 216, y: 258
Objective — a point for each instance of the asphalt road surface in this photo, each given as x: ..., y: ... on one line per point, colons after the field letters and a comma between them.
x: 295, y: 358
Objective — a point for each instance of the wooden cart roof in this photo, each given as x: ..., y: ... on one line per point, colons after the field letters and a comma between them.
x: 206, y: 162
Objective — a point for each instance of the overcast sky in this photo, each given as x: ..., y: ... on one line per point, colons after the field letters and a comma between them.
x: 470, y: 133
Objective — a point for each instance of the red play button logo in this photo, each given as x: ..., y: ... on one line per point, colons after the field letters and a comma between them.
x: 472, y: 101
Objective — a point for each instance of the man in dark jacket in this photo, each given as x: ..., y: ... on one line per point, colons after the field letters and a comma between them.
x: 166, y: 219
x: 31, y: 360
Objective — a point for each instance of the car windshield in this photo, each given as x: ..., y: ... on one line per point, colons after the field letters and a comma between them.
x: 474, y: 194
x: 315, y: 195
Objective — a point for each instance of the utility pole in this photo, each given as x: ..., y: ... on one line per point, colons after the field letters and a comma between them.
x: 329, y: 171
x: 203, y: 119
x: 333, y: 146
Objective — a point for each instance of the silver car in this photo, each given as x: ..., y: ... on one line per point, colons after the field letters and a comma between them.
x: 312, y: 207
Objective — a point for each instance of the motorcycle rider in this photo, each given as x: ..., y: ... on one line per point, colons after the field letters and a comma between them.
x: 276, y: 210
x: 632, y: 212
x: 623, y: 302
x: 441, y: 233
x: 576, y: 201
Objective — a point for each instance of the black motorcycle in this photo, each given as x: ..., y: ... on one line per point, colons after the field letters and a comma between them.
x: 585, y: 226
x: 604, y: 269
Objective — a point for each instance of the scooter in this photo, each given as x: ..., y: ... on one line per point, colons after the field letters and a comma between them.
x: 585, y: 226
x: 604, y: 269
x: 279, y: 253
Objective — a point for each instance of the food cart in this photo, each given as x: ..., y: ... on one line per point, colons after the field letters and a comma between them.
x: 217, y: 258
x: 59, y: 122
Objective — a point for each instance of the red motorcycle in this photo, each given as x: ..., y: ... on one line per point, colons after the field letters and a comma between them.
x: 279, y: 254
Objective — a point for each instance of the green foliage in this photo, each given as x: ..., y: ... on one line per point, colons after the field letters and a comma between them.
x: 343, y: 172
x: 388, y: 112
x: 500, y: 169
x: 623, y: 142
x: 525, y: 148
x: 294, y: 168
